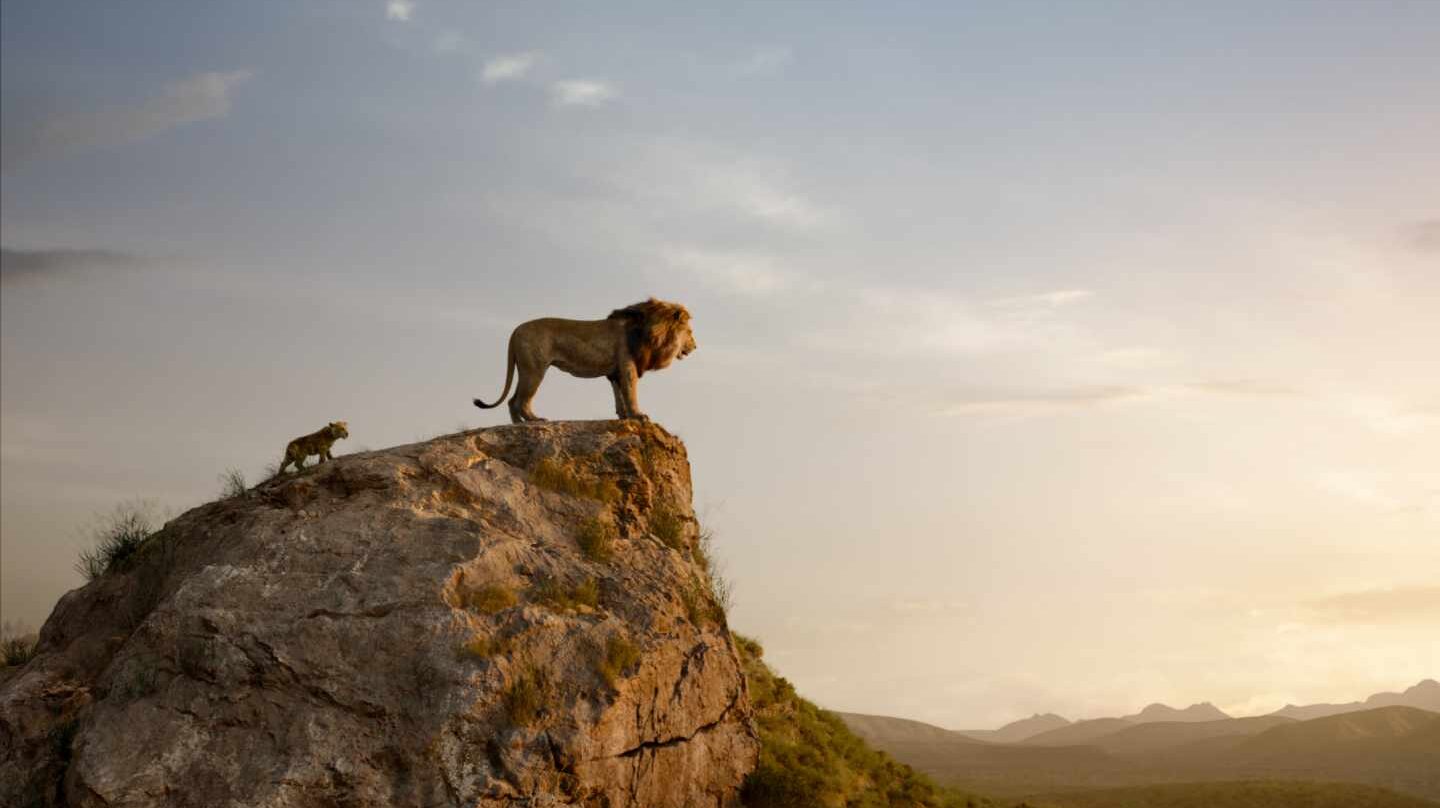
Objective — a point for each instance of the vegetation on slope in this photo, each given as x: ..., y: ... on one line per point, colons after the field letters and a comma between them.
x: 808, y: 757
x: 1258, y: 794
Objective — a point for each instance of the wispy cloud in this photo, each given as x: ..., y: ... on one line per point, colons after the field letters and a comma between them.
x: 747, y: 273
x: 582, y: 92
x: 507, y: 67
x: 201, y: 97
x: 448, y: 42
x: 1390, y: 417
x: 765, y: 61
x: 399, y: 10
x: 1053, y: 401
x: 1049, y: 300
x: 16, y: 265
x: 1424, y: 235
x: 1386, y: 605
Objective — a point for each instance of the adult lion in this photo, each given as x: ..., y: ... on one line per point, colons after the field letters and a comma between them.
x: 622, y: 347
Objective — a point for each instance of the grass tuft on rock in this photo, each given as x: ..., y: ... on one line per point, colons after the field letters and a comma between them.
x: 563, y: 597
x: 117, y: 537
x: 596, y: 540
x: 490, y: 599
x: 526, y: 697
x: 619, y: 655
x: 555, y: 475
x: 667, y: 526
x: 485, y: 647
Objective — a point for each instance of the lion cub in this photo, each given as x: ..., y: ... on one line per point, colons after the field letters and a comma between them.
x: 316, y: 443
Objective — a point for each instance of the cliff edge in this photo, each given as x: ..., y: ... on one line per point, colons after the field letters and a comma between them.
x: 510, y: 616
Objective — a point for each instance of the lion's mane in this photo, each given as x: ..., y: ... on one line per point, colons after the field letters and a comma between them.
x: 655, y: 332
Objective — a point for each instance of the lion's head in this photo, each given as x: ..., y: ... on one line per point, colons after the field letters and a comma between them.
x: 338, y: 430
x: 659, y: 333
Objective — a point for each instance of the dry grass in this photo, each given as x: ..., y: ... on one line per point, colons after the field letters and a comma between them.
x: 596, y: 540
x: 483, y: 647
x: 527, y: 696
x: 490, y: 599
x: 232, y: 484
x: 667, y: 526
x: 567, y: 598
x: 118, y: 536
x: 619, y: 655
x: 553, y: 475
x: 701, y: 606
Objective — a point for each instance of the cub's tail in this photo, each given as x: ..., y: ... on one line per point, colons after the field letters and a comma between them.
x: 509, y: 377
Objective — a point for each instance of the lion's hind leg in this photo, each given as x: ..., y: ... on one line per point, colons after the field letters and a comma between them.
x: 530, y: 378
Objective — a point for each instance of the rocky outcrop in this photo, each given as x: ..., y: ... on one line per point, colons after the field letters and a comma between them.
x: 503, y: 617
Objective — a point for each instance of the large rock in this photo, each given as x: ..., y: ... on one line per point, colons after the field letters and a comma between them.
x: 414, y: 626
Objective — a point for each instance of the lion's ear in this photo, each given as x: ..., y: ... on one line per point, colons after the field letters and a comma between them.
x: 679, y: 315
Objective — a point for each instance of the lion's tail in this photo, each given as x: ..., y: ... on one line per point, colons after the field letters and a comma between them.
x: 509, y: 377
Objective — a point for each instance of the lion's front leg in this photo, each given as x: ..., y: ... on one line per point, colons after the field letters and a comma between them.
x: 620, y: 409
x: 629, y: 381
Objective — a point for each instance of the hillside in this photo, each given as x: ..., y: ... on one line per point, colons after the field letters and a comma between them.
x: 878, y: 729
x: 1261, y: 794
x: 1144, y: 739
x: 809, y: 757
x: 1080, y: 732
x: 1393, y: 747
x: 516, y: 615
x: 1017, y: 731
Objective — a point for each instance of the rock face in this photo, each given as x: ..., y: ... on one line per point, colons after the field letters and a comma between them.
x: 516, y: 616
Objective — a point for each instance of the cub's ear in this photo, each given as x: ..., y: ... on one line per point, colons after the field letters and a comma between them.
x: 679, y: 315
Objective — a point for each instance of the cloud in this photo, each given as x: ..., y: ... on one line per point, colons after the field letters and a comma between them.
x: 201, y: 97
x: 765, y: 61
x: 582, y: 92
x: 23, y: 264
x: 1424, y: 235
x: 507, y: 67
x: 448, y: 41
x: 1046, y: 300
x: 1387, y: 605
x: 1390, y: 417
x: 400, y: 10
x: 1053, y: 401
x: 747, y: 273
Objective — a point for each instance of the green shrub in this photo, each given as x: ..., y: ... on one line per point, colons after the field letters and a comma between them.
x: 619, y: 654
x: 526, y: 696
x: 490, y: 599
x: 596, y: 540
x: 808, y: 757
x: 667, y: 526
x: 553, y: 475
x: 117, y: 536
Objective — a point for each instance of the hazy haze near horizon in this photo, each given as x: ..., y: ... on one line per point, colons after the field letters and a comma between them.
x: 1052, y: 358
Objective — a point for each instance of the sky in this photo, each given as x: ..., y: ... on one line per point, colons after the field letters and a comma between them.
x: 1053, y: 357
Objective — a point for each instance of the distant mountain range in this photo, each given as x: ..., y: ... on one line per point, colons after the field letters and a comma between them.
x: 1053, y: 730
x: 1395, y: 745
x: 1425, y: 696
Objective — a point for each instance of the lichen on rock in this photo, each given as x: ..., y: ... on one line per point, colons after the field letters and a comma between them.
x: 415, y: 626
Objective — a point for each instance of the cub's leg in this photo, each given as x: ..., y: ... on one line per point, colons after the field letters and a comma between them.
x: 530, y: 379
